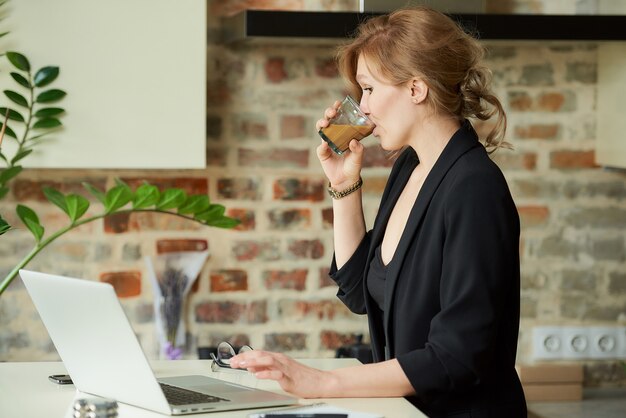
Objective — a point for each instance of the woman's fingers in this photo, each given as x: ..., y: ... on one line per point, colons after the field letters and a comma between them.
x: 269, y: 374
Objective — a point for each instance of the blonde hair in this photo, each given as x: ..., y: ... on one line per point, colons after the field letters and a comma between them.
x: 421, y: 42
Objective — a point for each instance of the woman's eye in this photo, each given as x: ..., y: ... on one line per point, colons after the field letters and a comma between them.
x: 369, y: 89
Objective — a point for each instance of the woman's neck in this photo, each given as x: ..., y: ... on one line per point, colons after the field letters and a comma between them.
x: 432, y: 136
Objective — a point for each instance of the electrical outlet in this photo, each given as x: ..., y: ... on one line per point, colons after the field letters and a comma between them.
x: 579, y: 343
x: 547, y: 343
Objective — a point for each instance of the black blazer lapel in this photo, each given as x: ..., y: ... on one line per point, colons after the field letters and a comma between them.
x: 462, y: 141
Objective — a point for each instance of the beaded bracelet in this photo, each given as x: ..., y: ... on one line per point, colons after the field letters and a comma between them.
x: 339, y: 194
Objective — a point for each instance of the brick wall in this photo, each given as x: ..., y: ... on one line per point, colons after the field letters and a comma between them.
x: 266, y: 283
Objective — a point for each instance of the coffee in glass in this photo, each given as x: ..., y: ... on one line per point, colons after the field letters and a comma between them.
x: 349, y: 123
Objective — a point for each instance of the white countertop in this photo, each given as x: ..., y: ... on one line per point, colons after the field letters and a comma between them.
x: 26, y: 392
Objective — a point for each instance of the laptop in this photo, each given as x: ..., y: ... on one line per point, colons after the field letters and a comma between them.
x: 102, y: 354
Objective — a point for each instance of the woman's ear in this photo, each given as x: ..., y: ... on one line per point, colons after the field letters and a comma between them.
x: 419, y: 90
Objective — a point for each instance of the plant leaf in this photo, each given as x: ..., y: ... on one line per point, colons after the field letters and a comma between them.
x: 47, y: 123
x: 4, y: 33
x: 95, y: 192
x: 214, y: 212
x: 14, y: 115
x: 8, y: 131
x: 3, y: 191
x: 224, y: 222
x: 9, y: 173
x: 24, y: 153
x: 47, y: 112
x: 77, y: 205
x: 56, y: 197
x: 195, y: 204
x: 21, y: 80
x: 146, y: 195
x: 52, y: 95
x: 18, y: 60
x: 4, y: 226
x: 30, y: 219
x: 117, y: 197
x: 46, y: 76
x: 16, y: 98
x: 172, y: 198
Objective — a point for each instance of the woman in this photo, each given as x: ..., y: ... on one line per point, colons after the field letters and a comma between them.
x: 438, y: 275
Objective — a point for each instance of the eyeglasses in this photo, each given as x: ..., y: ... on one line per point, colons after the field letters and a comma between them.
x: 225, y: 351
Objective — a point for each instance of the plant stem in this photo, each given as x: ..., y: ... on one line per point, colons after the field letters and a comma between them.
x: 42, y: 244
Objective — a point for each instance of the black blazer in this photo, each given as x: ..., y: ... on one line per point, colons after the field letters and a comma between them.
x: 452, y: 295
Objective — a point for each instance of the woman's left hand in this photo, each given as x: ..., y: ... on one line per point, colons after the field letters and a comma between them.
x: 293, y: 377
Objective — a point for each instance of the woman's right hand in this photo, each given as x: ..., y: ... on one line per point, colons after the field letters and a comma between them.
x: 342, y: 170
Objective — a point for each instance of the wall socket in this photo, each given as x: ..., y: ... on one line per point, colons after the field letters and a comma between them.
x: 588, y: 342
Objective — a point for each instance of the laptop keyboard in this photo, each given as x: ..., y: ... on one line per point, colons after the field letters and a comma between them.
x: 180, y: 396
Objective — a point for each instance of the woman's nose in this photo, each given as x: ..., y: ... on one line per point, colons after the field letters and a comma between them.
x: 363, y: 105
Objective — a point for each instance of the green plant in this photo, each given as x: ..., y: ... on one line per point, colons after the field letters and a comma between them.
x: 39, y: 119
x: 146, y: 198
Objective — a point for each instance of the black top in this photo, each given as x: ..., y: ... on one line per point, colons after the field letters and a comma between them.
x: 451, y: 311
x: 376, y: 278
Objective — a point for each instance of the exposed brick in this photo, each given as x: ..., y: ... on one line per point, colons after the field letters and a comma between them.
x: 508, y: 160
x: 557, y: 246
x: 126, y: 283
x: 609, y: 217
x: 609, y: 189
x: 617, y: 282
x: 571, y: 159
x: 154, y: 221
x: 299, y: 189
x: 604, y: 373
x: 552, y: 102
x: 117, y: 223
x: 229, y: 280
x: 216, y: 157
x: 313, y: 249
x: 582, y: 72
x: 191, y: 185
x: 374, y: 186
x: 537, y: 75
x: 250, y: 126
x: 610, y: 249
x: 332, y: 340
x: 245, y: 216
x: 532, y: 216
x: 326, y: 68
x: 520, y: 101
x: 267, y: 250
x: 319, y: 309
x: 282, y: 279
x: 533, y: 281
x: 293, y: 126
x: 289, y: 219
x: 286, y: 341
x: 273, y: 158
x: 534, y: 188
x: 230, y: 8
x: 538, y: 131
x: 528, y: 307
x: 232, y: 312
x: 275, y: 71
x: 375, y: 156
x: 239, y: 188
x: 131, y: 252
x: 324, y: 278
x: 213, y: 127
x: 24, y: 189
x: 584, y: 281
x: 327, y: 218
x: 217, y: 93
x: 180, y: 245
